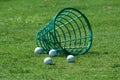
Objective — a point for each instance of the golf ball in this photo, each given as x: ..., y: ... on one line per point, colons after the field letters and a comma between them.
x: 52, y: 52
x: 48, y: 60
x: 38, y: 50
x: 70, y: 58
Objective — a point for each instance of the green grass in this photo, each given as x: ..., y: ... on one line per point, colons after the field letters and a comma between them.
x: 21, y: 19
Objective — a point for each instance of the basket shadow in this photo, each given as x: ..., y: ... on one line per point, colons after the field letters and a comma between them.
x: 97, y: 53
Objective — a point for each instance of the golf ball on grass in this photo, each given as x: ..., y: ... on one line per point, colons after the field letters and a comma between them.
x: 48, y: 61
x: 38, y: 50
x: 70, y: 58
x: 52, y: 52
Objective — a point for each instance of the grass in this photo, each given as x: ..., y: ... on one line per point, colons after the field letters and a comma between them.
x: 19, y: 22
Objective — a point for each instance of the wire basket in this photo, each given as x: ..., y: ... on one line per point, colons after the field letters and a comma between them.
x: 69, y: 32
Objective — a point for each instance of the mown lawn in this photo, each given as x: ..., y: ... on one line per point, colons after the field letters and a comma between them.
x: 21, y: 19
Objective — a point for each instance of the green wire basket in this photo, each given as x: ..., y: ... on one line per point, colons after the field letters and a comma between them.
x: 69, y: 32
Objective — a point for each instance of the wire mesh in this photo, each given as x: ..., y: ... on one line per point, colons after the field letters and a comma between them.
x: 69, y: 32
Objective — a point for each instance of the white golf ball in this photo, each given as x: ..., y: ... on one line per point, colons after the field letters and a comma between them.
x: 38, y: 50
x: 48, y: 60
x: 52, y: 52
x: 70, y: 58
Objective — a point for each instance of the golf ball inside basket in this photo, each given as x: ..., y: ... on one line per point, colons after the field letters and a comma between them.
x: 52, y: 52
x: 70, y: 58
x: 48, y: 60
x: 38, y: 50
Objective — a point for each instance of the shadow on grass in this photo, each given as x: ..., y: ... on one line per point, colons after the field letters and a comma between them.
x: 97, y: 53
x: 116, y: 65
x: 92, y: 53
x: 4, y: 0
